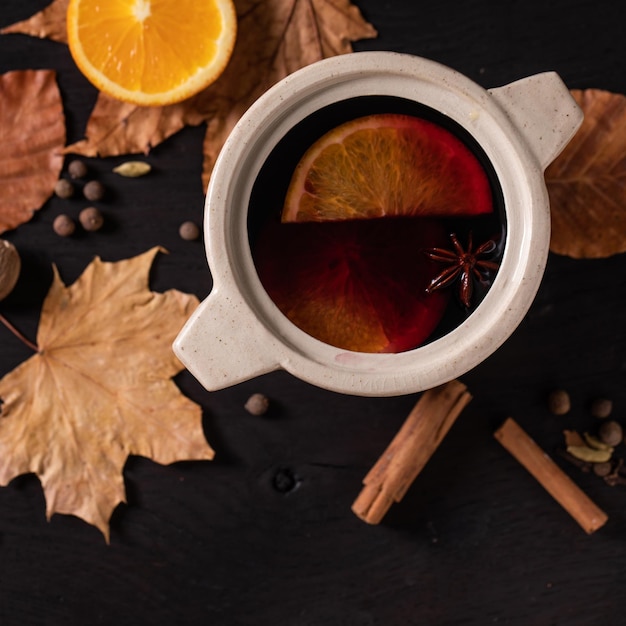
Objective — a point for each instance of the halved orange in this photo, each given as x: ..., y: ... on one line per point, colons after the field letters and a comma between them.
x: 385, y: 165
x: 151, y: 52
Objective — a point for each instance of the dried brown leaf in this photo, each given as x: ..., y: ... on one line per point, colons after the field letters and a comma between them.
x: 116, y: 128
x: 48, y: 23
x: 99, y: 389
x: 587, y: 182
x: 32, y: 136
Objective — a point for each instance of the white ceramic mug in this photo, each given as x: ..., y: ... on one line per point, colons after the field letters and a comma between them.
x: 238, y: 333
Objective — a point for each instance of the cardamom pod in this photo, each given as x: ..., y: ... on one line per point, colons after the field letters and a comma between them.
x: 132, y: 169
x: 585, y: 453
x: 594, y: 442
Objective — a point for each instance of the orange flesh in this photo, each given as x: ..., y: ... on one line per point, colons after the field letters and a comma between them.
x: 112, y: 34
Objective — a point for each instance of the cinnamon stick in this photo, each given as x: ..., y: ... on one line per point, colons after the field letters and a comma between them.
x: 550, y: 476
x: 410, y: 450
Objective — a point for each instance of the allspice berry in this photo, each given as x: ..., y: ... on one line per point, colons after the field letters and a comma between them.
x: 77, y: 169
x: 559, y: 402
x: 257, y: 404
x: 10, y: 266
x: 189, y: 231
x: 93, y: 190
x: 601, y: 408
x: 64, y: 188
x: 602, y: 469
x: 63, y: 225
x: 91, y: 219
x: 611, y: 433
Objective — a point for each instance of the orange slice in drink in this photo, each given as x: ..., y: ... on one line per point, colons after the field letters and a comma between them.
x: 346, y: 262
x: 387, y: 165
x: 151, y: 52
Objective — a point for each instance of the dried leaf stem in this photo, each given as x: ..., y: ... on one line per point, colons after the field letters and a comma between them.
x: 410, y: 450
x: 18, y: 334
x: 550, y: 476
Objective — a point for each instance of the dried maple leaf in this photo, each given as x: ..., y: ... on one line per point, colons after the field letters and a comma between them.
x: 99, y: 389
x: 587, y: 182
x: 32, y: 136
x: 275, y: 38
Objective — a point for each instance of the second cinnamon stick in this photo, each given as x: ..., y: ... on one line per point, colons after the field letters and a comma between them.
x: 410, y: 450
x: 550, y: 476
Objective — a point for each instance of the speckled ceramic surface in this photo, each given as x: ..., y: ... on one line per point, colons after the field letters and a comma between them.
x: 238, y: 333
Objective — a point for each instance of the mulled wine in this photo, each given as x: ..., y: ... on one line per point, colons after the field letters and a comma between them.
x: 382, y: 284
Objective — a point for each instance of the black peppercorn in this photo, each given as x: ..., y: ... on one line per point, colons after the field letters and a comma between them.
x: 93, y: 190
x: 610, y: 433
x: 602, y: 469
x: 77, y: 169
x: 559, y: 402
x: 63, y: 225
x: 64, y: 188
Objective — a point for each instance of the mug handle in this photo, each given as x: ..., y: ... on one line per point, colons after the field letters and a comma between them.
x: 223, y: 344
x: 543, y: 110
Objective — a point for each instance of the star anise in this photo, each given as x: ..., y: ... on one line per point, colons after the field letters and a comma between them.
x: 463, y: 265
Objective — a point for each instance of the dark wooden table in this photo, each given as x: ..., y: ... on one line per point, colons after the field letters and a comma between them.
x: 475, y: 541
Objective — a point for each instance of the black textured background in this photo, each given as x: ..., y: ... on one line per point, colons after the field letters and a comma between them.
x: 475, y: 541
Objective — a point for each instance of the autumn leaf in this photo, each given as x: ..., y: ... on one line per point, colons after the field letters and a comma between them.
x: 587, y: 182
x: 49, y: 23
x: 116, y: 127
x: 32, y: 136
x: 98, y: 390
x: 275, y: 38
